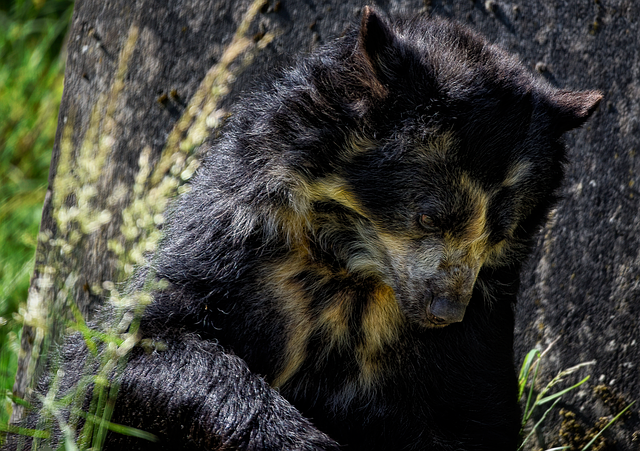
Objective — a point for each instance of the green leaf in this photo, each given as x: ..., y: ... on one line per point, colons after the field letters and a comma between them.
x: 24, y: 431
x: 525, y: 370
x: 119, y: 428
x: 546, y: 399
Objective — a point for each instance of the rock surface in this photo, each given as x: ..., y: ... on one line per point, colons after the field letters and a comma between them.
x: 583, y: 282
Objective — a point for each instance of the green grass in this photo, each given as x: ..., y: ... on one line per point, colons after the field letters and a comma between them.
x: 32, y: 37
x: 534, y: 395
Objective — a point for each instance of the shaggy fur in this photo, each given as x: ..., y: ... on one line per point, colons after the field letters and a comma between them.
x: 355, y: 238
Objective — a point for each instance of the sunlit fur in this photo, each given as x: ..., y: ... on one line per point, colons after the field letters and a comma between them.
x: 357, y: 232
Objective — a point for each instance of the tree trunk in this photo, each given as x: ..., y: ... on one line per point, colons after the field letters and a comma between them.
x: 138, y: 86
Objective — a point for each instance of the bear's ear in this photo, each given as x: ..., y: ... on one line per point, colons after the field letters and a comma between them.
x: 374, y: 38
x: 571, y: 109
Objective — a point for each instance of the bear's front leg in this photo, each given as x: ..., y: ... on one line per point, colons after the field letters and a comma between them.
x: 193, y: 395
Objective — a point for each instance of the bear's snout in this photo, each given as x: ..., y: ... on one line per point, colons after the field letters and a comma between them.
x: 445, y: 311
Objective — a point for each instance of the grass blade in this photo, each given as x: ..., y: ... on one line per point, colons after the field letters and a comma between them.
x: 535, y: 426
x: 546, y: 399
x: 608, y: 424
x: 525, y: 370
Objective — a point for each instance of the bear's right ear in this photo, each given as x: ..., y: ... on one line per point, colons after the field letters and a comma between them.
x: 374, y: 38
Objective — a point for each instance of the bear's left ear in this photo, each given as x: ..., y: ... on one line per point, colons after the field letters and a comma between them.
x: 374, y: 38
x: 571, y: 109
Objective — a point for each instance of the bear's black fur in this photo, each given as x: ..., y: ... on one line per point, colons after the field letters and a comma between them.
x: 355, y: 238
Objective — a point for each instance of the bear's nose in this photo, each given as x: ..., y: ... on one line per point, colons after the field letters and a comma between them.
x: 447, y: 311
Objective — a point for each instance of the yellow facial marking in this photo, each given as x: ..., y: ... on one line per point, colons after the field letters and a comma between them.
x: 476, y: 230
x: 336, y: 189
x: 393, y: 243
x: 470, y: 249
x: 497, y: 254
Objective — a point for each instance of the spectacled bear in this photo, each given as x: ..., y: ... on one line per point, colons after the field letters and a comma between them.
x: 343, y: 272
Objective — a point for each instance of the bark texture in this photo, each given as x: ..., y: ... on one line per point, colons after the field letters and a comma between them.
x: 134, y: 66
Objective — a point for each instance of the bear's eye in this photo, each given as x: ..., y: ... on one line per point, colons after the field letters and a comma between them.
x: 427, y: 224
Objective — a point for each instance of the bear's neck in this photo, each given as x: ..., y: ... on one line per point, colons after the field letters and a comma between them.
x: 330, y: 314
